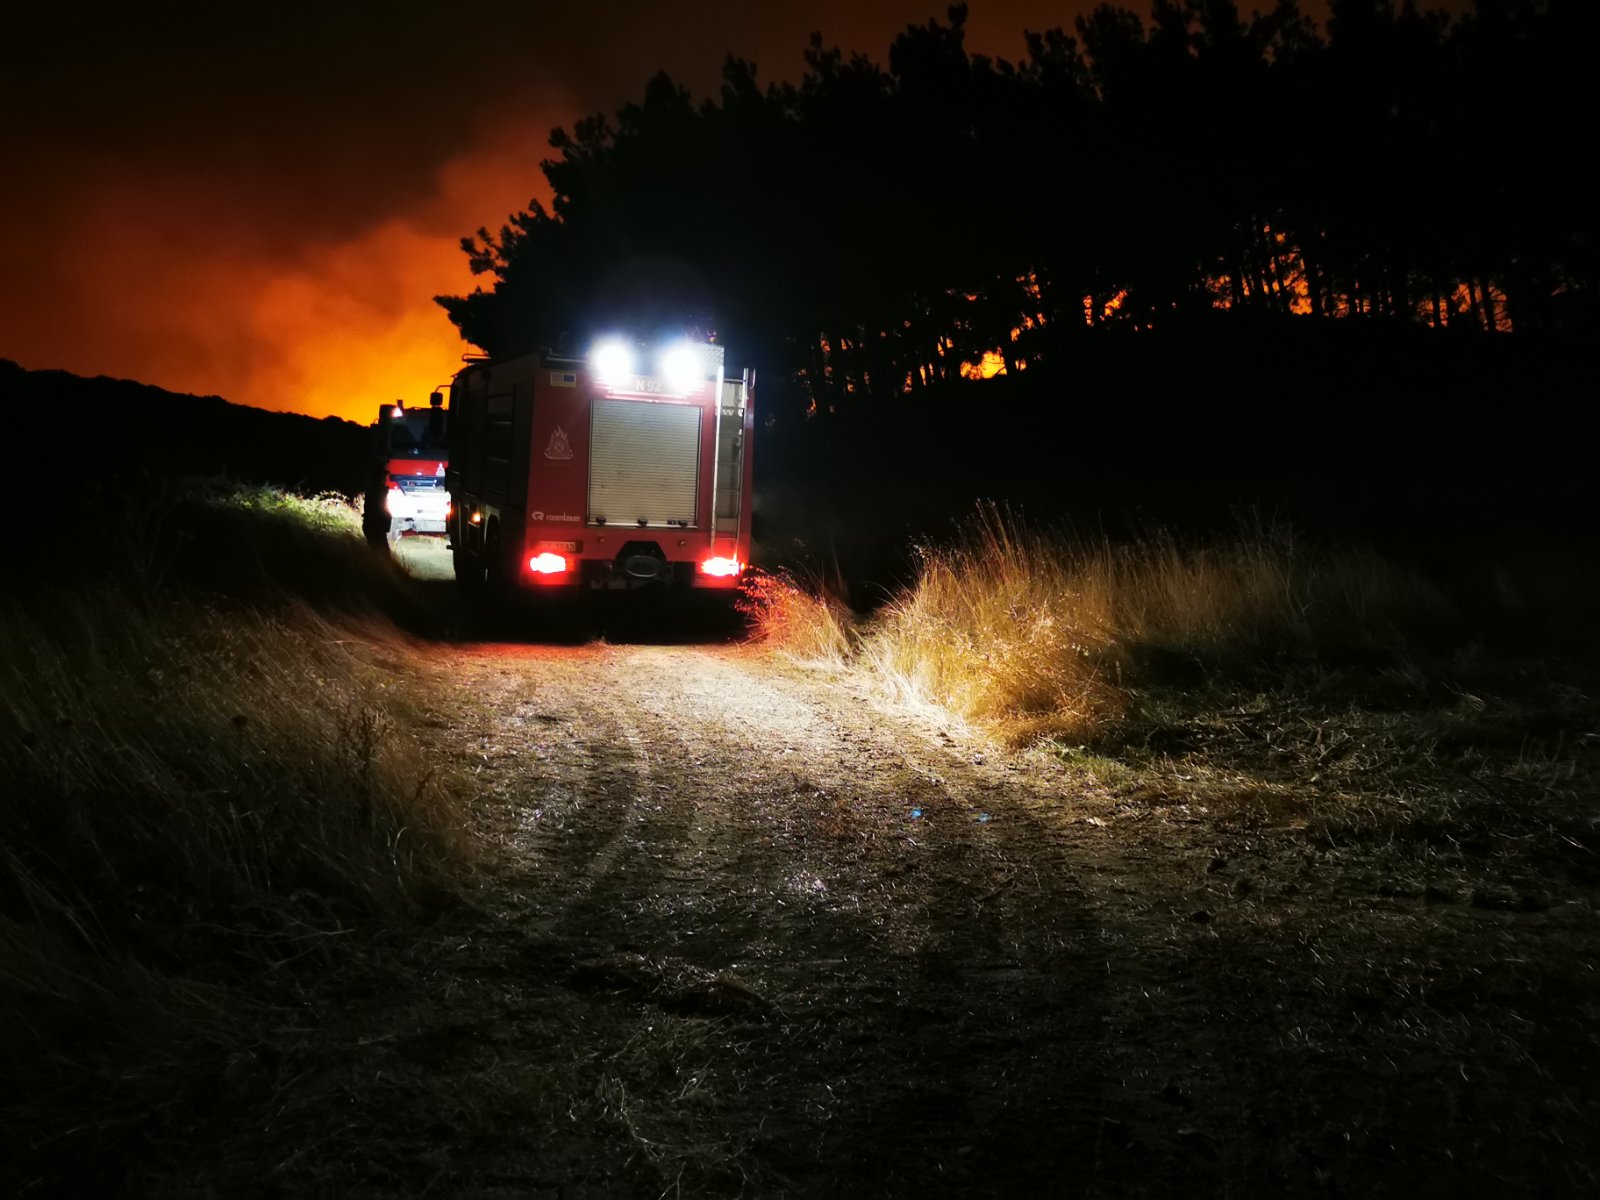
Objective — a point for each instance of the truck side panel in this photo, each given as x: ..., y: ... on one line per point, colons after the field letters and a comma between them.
x: 730, y: 459
x: 558, y: 451
x: 497, y: 438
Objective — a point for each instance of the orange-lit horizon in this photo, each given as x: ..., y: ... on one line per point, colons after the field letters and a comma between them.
x: 268, y: 218
x: 334, y: 326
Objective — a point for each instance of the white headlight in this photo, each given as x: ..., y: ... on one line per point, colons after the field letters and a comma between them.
x: 611, y: 360
x: 681, y: 367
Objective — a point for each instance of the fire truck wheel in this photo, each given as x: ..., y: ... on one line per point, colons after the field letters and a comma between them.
x: 469, y: 570
x: 494, y: 568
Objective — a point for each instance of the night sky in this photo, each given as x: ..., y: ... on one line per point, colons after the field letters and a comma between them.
x: 261, y: 201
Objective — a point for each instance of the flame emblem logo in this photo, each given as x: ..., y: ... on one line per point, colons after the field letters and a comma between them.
x: 559, y: 447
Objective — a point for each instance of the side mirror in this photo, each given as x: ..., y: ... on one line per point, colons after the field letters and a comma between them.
x: 435, y: 399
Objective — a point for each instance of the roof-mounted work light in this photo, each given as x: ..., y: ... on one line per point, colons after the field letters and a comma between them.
x: 682, y: 366
x: 612, y: 360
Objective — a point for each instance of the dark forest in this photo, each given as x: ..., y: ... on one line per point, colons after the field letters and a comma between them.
x: 881, y: 227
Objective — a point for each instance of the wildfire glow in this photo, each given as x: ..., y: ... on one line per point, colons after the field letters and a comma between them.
x: 1278, y: 279
x: 993, y: 363
x: 1097, y: 310
x: 209, y: 302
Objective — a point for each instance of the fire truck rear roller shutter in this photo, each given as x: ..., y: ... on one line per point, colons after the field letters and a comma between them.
x: 644, y: 462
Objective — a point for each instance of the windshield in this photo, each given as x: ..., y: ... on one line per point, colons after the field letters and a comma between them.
x: 418, y: 434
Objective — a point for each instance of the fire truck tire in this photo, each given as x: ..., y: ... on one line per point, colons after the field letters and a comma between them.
x: 495, y: 597
x: 494, y: 567
x: 469, y: 569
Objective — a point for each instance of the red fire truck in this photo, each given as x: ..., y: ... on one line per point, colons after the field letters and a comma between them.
x: 628, y: 468
x: 406, y: 493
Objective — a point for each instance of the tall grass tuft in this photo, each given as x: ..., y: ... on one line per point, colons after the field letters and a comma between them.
x: 1041, y: 633
x: 806, y: 621
x: 206, y: 789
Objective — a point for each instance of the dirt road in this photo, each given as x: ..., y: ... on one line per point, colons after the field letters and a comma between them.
x: 752, y: 931
x: 873, y: 949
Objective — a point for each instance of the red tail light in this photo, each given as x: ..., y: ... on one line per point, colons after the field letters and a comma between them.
x: 721, y: 566
x: 547, y: 564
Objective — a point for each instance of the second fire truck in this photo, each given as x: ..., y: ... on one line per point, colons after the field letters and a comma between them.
x: 406, y: 491
x: 627, y: 468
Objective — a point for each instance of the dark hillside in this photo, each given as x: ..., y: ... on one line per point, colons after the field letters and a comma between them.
x: 66, y: 429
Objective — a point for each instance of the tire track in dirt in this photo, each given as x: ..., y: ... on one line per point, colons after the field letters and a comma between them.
x: 719, y: 955
x: 561, y: 774
x: 917, y: 932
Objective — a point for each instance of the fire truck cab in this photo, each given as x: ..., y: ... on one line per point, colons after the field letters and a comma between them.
x: 629, y: 468
x: 407, y: 493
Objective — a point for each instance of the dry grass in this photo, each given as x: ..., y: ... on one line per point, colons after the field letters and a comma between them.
x: 203, y: 797
x: 1247, y: 678
x: 236, y: 541
x: 1036, y: 633
x: 806, y: 621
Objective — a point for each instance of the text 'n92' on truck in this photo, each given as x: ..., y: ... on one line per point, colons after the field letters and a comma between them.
x: 626, y: 469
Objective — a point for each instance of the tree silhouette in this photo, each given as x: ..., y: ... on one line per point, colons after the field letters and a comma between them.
x: 870, y: 231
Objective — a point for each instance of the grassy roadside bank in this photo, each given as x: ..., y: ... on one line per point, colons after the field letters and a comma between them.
x: 1257, y: 679
x: 229, y: 913
x: 208, y: 812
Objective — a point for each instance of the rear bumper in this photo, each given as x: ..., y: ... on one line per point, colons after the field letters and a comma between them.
x: 623, y: 575
x: 420, y: 511
x: 616, y: 560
